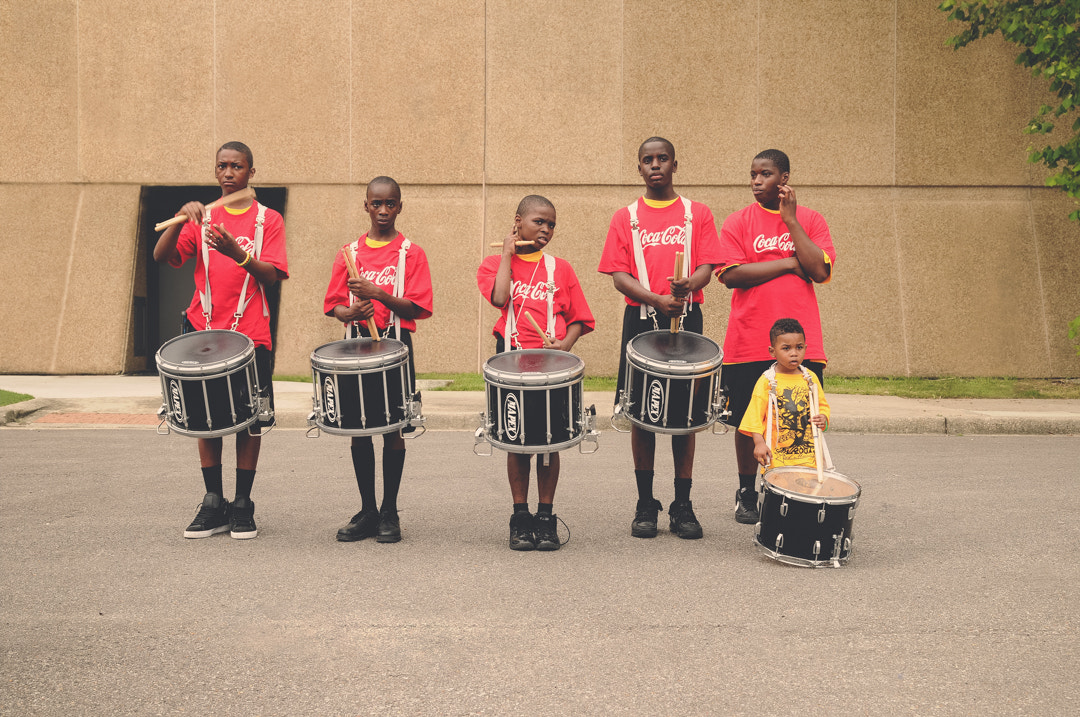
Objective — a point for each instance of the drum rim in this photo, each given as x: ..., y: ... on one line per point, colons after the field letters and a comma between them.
x: 806, y: 497
x: 215, y: 368
x: 643, y: 362
x: 539, y: 379
x: 802, y: 562
x: 387, y: 360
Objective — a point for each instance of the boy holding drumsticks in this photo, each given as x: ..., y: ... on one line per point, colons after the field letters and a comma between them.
x: 524, y: 282
x: 231, y: 245
x: 394, y: 288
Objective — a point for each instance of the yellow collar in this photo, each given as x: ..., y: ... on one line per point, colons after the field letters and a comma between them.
x: 659, y: 203
x: 770, y: 211
x: 533, y: 258
x: 375, y: 243
x: 238, y: 212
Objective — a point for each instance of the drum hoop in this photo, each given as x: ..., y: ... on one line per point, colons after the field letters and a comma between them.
x: 537, y: 379
x: 672, y: 431
x: 666, y: 368
x: 353, y: 364
x: 220, y: 367
x: 806, y: 497
x: 508, y: 382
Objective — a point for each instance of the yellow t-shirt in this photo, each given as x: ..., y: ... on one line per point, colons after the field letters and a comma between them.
x: 793, y: 436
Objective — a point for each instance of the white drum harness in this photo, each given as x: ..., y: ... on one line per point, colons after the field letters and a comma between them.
x: 549, y: 293
x: 243, y: 299
x: 639, y: 254
x: 397, y: 293
x: 773, y: 410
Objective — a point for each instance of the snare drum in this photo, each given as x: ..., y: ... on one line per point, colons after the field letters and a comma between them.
x: 362, y: 387
x: 534, y: 401
x: 209, y: 383
x: 672, y: 382
x: 804, y: 522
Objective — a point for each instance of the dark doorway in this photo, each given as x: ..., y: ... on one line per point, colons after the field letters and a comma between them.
x: 168, y: 290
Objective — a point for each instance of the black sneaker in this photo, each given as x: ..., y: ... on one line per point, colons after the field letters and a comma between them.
x: 644, y: 525
x: 362, y: 525
x: 212, y: 518
x: 683, y: 521
x: 243, y: 519
x: 389, y: 526
x: 746, y: 510
x: 521, y: 531
x: 547, y: 531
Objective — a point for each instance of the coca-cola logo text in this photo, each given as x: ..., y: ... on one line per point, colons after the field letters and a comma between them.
x: 778, y: 243
x: 669, y: 236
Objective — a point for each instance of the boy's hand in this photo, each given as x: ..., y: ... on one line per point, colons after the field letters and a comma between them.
x: 221, y: 240
x: 761, y: 454
x: 363, y: 289
x: 193, y: 211
x: 510, y: 241
x: 669, y: 306
x: 819, y: 421
x: 360, y: 311
x: 787, y: 203
x: 680, y: 288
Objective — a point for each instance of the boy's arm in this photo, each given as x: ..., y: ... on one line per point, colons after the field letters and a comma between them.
x: 762, y: 454
x: 500, y: 292
x: 666, y: 304
x: 745, y: 276
x: 573, y: 333
x: 807, y: 253
x: 165, y: 249
x: 686, y: 286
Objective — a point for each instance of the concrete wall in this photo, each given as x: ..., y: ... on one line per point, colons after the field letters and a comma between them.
x: 953, y: 259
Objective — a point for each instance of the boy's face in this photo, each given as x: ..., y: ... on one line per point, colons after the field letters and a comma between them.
x: 232, y: 171
x: 383, y: 205
x: 537, y: 226
x: 789, y: 351
x: 657, y: 165
x: 766, y: 180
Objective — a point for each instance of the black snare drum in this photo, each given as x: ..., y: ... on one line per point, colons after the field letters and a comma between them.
x: 806, y: 522
x: 362, y: 387
x: 209, y: 383
x: 534, y: 401
x: 672, y: 383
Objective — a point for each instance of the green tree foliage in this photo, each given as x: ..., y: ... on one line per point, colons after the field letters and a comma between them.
x: 1048, y: 34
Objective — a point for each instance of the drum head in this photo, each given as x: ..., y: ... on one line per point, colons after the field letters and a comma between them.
x: 681, y: 353
x: 205, y: 352
x: 533, y: 367
x: 804, y: 481
x: 358, y: 353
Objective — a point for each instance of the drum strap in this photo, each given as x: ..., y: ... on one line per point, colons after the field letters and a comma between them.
x: 243, y: 299
x: 639, y: 253
x: 772, y: 410
x: 549, y: 293
x: 397, y: 292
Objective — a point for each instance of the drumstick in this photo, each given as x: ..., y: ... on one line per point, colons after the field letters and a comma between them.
x: 350, y: 265
x: 676, y: 273
x: 547, y: 339
x: 243, y: 194
x: 519, y: 242
x: 817, y: 443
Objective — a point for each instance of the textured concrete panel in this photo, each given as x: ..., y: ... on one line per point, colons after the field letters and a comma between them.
x: 282, y: 87
x: 35, y: 271
x: 95, y: 332
x: 970, y: 288
x: 959, y: 114
x: 690, y: 76
x: 554, y: 93
x: 825, y: 84
x: 38, y: 112
x: 1058, y: 245
x: 417, y: 108
x: 146, y: 91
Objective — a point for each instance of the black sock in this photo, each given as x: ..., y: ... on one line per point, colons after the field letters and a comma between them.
x: 747, y: 482
x: 363, y: 461
x: 393, y: 462
x: 244, y: 480
x: 211, y: 477
x: 544, y: 507
x: 519, y: 507
x: 644, y: 484
x: 682, y: 488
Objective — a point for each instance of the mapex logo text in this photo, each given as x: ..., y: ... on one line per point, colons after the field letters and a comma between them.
x: 510, y: 416
x: 329, y: 400
x: 174, y: 389
x: 656, y: 401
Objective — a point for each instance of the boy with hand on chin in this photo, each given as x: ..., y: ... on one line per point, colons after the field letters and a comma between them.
x: 525, y: 278
x: 789, y: 384
x: 394, y: 287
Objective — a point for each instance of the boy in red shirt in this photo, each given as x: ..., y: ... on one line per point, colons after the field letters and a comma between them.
x: 394, y: 287
x: 524, y: 278
x: 774, y: 251
x: 639, y: 255
x: 241, y: 243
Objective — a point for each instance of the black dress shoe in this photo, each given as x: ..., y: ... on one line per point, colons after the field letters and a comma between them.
x: 363, y: 525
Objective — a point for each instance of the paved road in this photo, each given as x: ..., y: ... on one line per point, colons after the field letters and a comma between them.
x: 960, y: 598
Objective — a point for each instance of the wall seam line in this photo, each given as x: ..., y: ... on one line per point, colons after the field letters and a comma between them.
x: 67, y: 280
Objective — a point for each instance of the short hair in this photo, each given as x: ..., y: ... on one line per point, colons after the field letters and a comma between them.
x: 785, y: 326
x: 533, y: 200
x: 242, y: 149
x: 656, y: 139
x: 386, y: 180
x: 776, y: 157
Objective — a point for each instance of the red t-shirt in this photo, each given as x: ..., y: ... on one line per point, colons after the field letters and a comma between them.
x: 226, y: 278
x: 755, y: 234
x: 528, y: 292
x: 662, y: 235
x: 379, y: 266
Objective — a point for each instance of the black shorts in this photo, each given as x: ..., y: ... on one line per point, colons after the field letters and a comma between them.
x: 739, y: 379
x: 633, y: 325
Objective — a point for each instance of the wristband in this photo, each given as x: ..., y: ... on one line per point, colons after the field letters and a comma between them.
x: 246, y: 261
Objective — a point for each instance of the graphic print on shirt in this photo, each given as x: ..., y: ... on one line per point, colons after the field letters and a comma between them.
x: 781, y: 243
x: 670, y: 236
x: 521, y: 291
x: 794, y: 438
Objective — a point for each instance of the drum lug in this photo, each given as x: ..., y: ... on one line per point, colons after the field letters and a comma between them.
x: 817, y: 549
x: 821, y: 514
x: 720, y: 410
x: 783, y: 507
x: 851, y: 512
x: 779, y: 541
x: 838, y: 543
x: 163, y: 414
